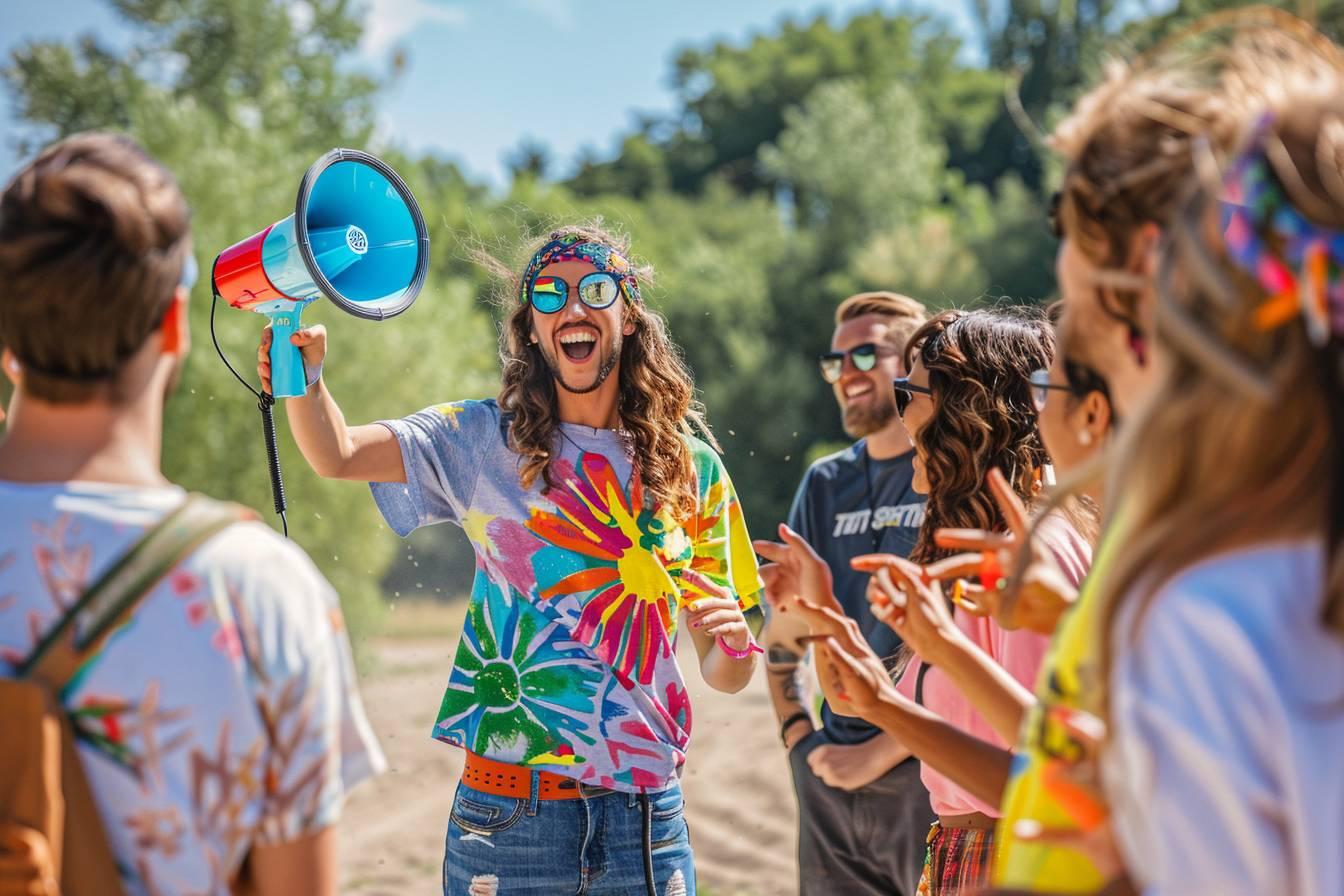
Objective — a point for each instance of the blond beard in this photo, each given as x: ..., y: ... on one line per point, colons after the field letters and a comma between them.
x: 862, y: 422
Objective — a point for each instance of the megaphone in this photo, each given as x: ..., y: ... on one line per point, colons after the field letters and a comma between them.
x: 356, y: 237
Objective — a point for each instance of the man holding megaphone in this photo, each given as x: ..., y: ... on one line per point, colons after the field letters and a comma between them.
x: 601, y: 524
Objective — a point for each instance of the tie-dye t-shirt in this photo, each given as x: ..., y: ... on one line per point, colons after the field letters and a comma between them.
x: 567, y: 662
x: 222, y: 716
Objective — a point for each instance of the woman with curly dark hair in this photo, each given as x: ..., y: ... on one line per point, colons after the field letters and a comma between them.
x: 969, y: 407
x: 601, y: 524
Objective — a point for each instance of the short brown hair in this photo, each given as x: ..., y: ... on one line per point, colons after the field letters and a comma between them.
x: 906, y: 314
x: 94, y: 235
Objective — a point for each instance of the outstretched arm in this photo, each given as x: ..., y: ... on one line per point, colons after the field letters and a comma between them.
x: 333, y: 449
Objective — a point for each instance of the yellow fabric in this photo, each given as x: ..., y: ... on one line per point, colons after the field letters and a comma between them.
x: 1069, y: 679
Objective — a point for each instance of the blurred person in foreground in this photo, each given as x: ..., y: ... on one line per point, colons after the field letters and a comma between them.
x: 218, y: 727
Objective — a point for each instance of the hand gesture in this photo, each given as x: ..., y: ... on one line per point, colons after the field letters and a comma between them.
x: 26, y: 864
x: 904, y: 597
x: 717, y: 613
x: 795, y: 573
x: 312, y: 343
x: 1037, y: 600
x: 852, y: 677
x: 1076, y: 786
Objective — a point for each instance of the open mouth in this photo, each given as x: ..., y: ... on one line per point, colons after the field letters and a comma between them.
x: 857, y: 390
x: 578, y: 344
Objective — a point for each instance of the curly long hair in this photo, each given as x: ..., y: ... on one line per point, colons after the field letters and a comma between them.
x: 658, y: 409
x: 980, y: 365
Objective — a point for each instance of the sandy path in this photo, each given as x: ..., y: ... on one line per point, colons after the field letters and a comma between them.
x: 738, y: 796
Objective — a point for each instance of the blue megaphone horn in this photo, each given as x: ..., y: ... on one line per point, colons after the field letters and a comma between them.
x: 356, y: 237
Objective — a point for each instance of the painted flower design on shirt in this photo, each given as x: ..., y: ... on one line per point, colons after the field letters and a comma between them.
x: 517, y: 689
x: 628, y: 616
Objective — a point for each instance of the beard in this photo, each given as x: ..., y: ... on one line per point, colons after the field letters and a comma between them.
x: 609, y: 358
x: 864, y: 420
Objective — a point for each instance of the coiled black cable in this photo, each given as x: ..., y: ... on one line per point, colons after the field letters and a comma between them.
x: 265, y: 401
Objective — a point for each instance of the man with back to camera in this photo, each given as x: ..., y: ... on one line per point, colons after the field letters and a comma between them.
x: 864, y: 815
x: 218, y: 727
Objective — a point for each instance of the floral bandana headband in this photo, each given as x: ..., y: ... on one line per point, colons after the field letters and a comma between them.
x: 1306, y: 274
x: 572, y: 247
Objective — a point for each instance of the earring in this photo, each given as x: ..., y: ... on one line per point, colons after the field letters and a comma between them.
x: 1085, y: 438
x: 1138, y: 346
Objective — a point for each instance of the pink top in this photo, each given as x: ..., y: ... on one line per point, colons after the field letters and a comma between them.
x: 1020, y: 652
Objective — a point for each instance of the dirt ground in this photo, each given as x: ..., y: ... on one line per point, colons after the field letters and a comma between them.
x: 739, y: 800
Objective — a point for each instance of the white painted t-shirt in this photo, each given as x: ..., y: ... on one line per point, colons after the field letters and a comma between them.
x: 1225, y: 768
x: 223, y: 716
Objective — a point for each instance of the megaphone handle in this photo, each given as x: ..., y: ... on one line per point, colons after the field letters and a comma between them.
x: 288, y: 379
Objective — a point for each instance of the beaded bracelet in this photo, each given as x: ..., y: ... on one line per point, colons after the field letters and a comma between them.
x: 752, y: 647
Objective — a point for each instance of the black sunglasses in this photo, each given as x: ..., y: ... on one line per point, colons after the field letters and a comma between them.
x: 905, y: 393
x: 864, y: 357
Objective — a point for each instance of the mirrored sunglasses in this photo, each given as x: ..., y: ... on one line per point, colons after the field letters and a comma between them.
x: 596, y: 290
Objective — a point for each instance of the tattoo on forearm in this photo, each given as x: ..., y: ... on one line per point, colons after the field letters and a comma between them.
x: 790, y: 680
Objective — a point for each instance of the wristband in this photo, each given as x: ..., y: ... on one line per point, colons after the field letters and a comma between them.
x: 752, y: 647
x: 788, y: 723
x: 316, y: 375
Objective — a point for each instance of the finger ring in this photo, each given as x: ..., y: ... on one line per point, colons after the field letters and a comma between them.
x: 990, y: 570
x: 958, y: 592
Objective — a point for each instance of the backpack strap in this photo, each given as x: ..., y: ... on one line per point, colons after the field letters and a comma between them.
x: 108, y: 603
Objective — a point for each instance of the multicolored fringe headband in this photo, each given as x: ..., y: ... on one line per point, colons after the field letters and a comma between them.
x: 1305, y: 274
x: 572, y: 247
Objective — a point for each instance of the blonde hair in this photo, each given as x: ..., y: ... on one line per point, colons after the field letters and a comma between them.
x: 904, y: 314
x: 1242, y: 441
x: 657, y: 404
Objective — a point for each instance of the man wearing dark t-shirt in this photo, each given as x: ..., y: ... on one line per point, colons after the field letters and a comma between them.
x: 863, y: 814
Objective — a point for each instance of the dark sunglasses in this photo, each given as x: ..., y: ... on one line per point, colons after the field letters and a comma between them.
x: 905, y: 393
x: 863, y: 357
x: 597, y: 290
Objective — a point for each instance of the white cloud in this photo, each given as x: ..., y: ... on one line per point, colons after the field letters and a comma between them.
x: 388, y: 21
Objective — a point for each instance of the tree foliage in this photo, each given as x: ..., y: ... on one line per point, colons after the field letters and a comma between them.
x: 801, y: 165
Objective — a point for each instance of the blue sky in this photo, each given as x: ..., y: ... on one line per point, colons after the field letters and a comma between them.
x: 484, y: 74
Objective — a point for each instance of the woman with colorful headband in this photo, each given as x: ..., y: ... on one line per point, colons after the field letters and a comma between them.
x: 601, y: 524
x: 1222, y: 626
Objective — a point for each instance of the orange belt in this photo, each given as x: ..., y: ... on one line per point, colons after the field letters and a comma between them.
x: 504, y: 779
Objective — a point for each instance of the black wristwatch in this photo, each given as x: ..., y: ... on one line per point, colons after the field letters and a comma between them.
x: 788, y: 723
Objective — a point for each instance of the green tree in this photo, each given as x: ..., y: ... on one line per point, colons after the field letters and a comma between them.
x: 238, y: 98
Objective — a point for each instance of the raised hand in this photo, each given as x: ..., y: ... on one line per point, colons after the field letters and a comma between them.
x: 913, y: 605
x: 1077, y: 787
x: 852, y: 677
x: 795, y: 573
x: 312, y: 344
x: 1036, y: 600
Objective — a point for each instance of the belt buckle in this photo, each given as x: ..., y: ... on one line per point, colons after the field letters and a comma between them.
x: 591, y: 791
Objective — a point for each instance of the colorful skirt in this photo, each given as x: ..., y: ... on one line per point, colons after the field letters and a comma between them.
x: 958, y: 861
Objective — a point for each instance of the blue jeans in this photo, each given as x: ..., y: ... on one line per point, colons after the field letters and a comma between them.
x: 594, y: 845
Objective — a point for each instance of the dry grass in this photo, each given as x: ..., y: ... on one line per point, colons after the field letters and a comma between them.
x: 423, y: 618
